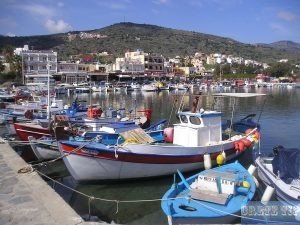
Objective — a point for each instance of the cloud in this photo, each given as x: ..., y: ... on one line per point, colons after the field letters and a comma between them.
x: 58, y: 26
x: 279, y: 28
x: 161, y: 2
x: 197, y: 3
x: 9, y: 34
x: 117, y: 6
x: 37, y: 9
x: 121, y: 5
x: 60, y: 4
x: 287, y: 16
x: 7, y: 22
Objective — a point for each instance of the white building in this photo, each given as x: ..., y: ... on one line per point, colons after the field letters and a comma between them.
x: 139, y: 62
x: 18, y: 51
x: 34, y: 64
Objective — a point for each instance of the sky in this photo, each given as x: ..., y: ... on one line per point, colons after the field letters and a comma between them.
x: 247, y: 21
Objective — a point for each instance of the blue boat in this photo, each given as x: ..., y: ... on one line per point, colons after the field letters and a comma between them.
x: 46, y: 148
x: 211, y: 196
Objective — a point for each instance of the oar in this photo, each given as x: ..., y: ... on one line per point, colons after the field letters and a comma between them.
x: 185, y: 183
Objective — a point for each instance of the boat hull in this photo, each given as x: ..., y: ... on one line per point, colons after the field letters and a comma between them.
x: 43, y: 149
x: 181, y: 208
x: 136, y: 161
x: 282, y: 190
x: 24, y: 130
x: 212, y: 220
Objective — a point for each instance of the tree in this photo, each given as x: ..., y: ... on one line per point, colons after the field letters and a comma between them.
x: 15, y: 61
x: 8, y: 54
x: 279, y: 69
x: 2, y: 67
x: 17, y: 67
x: 221, y: 69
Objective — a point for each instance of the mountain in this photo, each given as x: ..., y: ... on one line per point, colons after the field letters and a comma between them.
x: 120, y: 37
x: 287, y: 45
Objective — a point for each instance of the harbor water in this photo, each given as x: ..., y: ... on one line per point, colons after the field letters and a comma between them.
x: 278, y: 113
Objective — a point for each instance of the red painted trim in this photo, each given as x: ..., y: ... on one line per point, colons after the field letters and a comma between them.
x: 140, y: 158
x: 24, y: 131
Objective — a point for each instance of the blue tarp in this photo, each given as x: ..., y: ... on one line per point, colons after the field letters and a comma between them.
x: 286, y: 162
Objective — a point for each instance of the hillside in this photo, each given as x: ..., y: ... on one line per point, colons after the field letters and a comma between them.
x: 287, y: 45
x: 121, y: 37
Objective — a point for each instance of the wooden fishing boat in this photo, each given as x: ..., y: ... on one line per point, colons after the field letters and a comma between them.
x: 209, y: 197
x: 137, y: 154
x: 46, y: 148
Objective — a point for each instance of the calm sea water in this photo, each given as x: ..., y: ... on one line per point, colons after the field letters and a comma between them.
x: 278, y: 113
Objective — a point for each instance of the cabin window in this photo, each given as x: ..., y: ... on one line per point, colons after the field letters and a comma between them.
x: 195, y: 120
x: 183, y: 118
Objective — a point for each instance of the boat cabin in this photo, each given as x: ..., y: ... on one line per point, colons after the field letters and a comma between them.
x: 198, y: 129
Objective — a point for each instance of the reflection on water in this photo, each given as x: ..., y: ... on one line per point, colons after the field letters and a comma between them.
x: 280, y: 124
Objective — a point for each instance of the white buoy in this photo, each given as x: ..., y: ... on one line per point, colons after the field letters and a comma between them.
x: 207, y: 161
x: 297, y: 214
x: 224, y: 155
x: 252, y: 169
x: 255, y: 181
x: 267, y: 195
x: 170, y: 222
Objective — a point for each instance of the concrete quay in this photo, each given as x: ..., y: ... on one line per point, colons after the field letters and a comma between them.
x: 25, y: 198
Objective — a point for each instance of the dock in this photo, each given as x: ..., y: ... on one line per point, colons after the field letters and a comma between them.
x: 25, y: 198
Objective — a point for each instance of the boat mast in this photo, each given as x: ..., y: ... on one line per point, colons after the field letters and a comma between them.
x: 48, y: 87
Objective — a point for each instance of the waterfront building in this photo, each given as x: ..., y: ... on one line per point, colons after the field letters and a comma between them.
x: 198, y: 62
x: 34, y: 65
x: 67, y: 72
x: 154, y: 64
x: 140, y: 63
x: 210, y: 59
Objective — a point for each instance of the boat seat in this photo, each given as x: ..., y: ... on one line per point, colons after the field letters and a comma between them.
x: 209, y: 196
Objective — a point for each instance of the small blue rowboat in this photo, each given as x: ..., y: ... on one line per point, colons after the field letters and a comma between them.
x: 211, y: 196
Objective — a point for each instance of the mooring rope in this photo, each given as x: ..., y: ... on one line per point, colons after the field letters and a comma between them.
x: 30, y: 168
x: 118, y: 202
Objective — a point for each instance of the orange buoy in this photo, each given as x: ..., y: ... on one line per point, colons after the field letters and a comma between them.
x: 256, y: 135
x: 169, y: 134
x: 236, y: 145
x: 241, y: 146
x: 246, y: 142
x: 248, y: 131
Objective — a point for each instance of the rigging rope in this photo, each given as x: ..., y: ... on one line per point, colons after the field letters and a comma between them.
x: 169, y: 120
